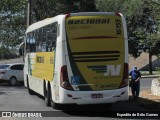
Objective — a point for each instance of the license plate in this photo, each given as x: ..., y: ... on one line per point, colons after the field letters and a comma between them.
x: 94, y: 96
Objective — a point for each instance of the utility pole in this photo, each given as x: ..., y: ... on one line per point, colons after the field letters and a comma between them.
x: 150, y: 57
x: 28, y: 13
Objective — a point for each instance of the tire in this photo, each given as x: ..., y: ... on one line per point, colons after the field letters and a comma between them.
x: 31, y: 92
x: 47, y: 96
x: 13, y: 81
x: 54, y: 105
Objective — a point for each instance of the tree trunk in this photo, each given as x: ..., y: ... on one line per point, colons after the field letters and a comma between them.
x: 150, y: 63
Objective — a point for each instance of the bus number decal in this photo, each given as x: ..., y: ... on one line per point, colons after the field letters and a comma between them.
x: 118, y: 27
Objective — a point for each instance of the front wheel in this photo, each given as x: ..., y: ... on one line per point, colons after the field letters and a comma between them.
x: 13, y: 81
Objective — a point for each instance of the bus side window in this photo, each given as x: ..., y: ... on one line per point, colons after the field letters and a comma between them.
x: 39, y: 39
x: 55, y: 32
x: 27, y: 43
x: 33, y: 42
x: 30, y: 41
x: 51, y: 36
x: 43, y: 39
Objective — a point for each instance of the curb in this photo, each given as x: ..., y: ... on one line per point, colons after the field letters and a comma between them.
x: 150, y: 76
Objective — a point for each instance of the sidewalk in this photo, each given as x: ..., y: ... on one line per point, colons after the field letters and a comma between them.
x: 150, y: 76
x: 17, y: 60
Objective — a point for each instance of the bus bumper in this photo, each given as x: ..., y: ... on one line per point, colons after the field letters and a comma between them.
x: 94, y: 97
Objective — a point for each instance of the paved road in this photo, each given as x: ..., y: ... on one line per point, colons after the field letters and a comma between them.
x: 18, y: 99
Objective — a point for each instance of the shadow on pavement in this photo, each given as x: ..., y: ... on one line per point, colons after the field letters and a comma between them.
x: 128, y: 108
x: 99, y: 110
x: 20, y: 84
x: 150, y: 105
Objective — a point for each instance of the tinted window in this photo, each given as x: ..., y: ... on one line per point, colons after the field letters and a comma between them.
x: 17, y: 67
x: 43, y: 39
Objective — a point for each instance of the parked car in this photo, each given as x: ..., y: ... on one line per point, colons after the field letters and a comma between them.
x: 3, y: 66
x: 11, y: 73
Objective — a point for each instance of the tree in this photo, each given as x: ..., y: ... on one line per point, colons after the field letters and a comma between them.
x: 12, y: 19
x: 13, y: 15
x: 142, y: 24
x: 144, y: 28
x: 45, y: 9
x: 86, y: 5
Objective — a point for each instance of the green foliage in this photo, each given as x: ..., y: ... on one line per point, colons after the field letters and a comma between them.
x: 142, y: 17
x: 45, y: 9
x: 138, y: 13
x: 6, y: 53
x: 13, y: 21
x: 111, y: 5
x: 13, y: 15
x: 86, y: 5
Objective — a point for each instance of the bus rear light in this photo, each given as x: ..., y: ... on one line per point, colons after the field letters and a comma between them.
x: 125, y: 71
x: 68, y: 15
x: 118, y: 14
x: 64, y: 81
x: 125, y: 76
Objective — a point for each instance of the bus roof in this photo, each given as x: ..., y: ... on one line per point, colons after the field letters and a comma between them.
x: 41, y: 23
x: 52, y: 19
x: 94, y: 13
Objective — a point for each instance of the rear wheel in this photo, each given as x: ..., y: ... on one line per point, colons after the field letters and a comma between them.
x: 47, y: 96
x: 31, y: 92
x: 54, y: 105
x: 13, y: 81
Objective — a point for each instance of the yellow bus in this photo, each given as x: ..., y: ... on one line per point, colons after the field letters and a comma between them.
x: 78, y: 58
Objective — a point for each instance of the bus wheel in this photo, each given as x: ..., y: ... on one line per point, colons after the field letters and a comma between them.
x: 47, y: 96
x: 54, y: 105
x: 31, y: 92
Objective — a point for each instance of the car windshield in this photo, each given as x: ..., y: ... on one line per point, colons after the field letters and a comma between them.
x: 4, y: 66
